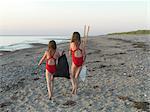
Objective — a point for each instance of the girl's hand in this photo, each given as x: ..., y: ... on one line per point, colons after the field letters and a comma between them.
x: 84, y: 60
x: 42, y: 59
x: 62, y: 53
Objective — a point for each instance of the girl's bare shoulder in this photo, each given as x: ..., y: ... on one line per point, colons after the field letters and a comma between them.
x: 72, y: 44
x: 46, y: 52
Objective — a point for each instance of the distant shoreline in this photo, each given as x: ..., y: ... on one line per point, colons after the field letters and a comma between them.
x: 34, y: 46
x: 131, y: 32
x: 13, y: 43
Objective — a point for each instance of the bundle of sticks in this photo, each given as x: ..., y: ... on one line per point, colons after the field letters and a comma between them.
x: 85, y: 39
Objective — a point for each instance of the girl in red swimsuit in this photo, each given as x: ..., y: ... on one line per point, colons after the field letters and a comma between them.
x: 50, y: 56
x: 77, y: 50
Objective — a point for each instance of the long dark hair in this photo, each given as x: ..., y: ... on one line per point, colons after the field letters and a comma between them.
x: 76, y: 38
x: 52, y: 47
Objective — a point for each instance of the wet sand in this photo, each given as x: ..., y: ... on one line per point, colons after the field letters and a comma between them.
x: 118, y: 79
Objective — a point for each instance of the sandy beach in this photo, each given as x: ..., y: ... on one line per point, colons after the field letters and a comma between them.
x: 118, y: 78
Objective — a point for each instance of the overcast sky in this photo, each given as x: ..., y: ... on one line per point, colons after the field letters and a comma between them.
x: 62, y: 17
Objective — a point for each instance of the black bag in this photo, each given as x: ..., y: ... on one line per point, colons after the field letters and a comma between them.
x: 62, y: 68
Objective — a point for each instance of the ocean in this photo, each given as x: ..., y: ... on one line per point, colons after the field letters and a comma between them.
x: 12, y: 43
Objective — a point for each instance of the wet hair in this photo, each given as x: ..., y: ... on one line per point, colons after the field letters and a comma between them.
x: 76, y: 38
x: 52, y: 46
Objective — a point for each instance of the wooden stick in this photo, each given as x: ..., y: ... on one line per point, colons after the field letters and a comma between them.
x: 88, y: 30
x: 86, y: 36
x: 84, y: 31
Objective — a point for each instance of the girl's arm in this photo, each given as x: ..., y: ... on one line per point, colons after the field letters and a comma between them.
x: 57, y: 54
x: 84, y: 51
x: 70, y: 50
x: 83, y: 44
x: 42, y: 59
x: 61, y: 52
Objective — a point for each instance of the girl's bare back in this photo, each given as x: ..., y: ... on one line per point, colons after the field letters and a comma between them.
x: 79, y: 50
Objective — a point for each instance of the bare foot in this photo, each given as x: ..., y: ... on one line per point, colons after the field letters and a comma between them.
x: 75, y: 91
x: 50, y: 98
x: 72, y: 92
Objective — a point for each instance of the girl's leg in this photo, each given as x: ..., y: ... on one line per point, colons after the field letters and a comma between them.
x: 76, y: 78
x: 48, y: 83
x: 52, y: 82
x: 72, y: 77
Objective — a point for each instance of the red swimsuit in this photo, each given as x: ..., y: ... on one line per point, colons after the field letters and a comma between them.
x: 78, y: 61
x: 51, y: 68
